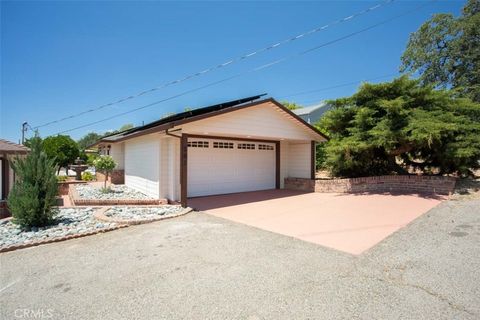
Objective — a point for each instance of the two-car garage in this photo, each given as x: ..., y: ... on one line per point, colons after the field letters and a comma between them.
x: 236, y: 146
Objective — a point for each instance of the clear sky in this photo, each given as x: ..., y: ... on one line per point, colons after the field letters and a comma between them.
x: 61, y: 58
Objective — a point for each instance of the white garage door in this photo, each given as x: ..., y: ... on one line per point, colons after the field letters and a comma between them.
x: 226, y: 166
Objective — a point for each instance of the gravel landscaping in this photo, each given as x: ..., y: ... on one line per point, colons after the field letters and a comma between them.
x: 70, y: 221
x: 87, y: 191
x: 142, y: 213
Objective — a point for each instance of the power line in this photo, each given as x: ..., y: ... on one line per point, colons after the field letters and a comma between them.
x: 336, y: 86
x: 257, y: 68
x: 222, y: 65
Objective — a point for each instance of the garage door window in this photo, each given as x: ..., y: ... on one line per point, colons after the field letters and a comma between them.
x: 248, y: 146
x: 223, y: 145
x: 265, y: 147
x: 198, y: 144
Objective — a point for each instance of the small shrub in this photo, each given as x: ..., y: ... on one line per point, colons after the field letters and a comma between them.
x: 33, y: 195
x: 87, y: 176
x: 104, y: 164
x: 106, y: 190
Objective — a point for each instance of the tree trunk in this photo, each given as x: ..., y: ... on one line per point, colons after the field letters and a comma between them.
x: 105, y: 182
x: 402, y: 149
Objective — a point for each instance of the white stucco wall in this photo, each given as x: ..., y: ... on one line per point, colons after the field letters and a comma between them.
x: 142, y: 164
x: 117, y: 152
x: 298, y: 165
x: 170, y: 168
x: 284, y: 147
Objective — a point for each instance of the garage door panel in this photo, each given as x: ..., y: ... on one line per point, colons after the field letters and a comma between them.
x: 228, y: 170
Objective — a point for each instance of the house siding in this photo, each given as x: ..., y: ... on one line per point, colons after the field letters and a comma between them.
x: 265, y: 121
x: 299, y: 159
x: 142, y: 165
x: 284, y: 147
x: 117, y: 152
x: 170, y: 168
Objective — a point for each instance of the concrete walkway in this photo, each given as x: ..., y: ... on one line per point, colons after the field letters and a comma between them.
x: 351, y: 223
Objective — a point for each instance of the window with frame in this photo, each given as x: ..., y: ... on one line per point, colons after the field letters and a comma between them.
x: 197, y: 144
x: 223, y: 145
x: 247, y: 146
x: 265, y: 147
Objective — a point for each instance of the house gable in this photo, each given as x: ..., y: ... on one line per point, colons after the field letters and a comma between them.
x: 266, y: 120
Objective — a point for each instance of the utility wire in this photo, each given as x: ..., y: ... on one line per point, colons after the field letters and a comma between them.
x: 257, y: 68
x: 152, y: 104
x: 29, y: 126
x: 222, y: 65
x: 301, y: 93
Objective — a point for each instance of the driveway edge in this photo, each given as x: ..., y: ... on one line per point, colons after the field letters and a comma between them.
x: 99, y: 215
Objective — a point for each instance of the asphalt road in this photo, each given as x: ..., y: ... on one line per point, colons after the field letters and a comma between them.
x: 203, y: 267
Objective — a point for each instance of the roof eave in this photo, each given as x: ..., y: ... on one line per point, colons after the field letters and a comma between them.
x: 170, y: 125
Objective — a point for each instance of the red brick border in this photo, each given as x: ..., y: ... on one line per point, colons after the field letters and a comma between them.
x: 401, y: 183
x: 77, y: 201
x: 100, y: 215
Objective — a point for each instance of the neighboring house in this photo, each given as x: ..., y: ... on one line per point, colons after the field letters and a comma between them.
x: 313, y: 113
x: 236, y: 146
x: 8, y: 151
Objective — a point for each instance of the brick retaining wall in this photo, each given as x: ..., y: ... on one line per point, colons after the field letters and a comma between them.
x: 116, y: 177
x: 63, y: 186
x: 401, y: 183
x: 300, y: 184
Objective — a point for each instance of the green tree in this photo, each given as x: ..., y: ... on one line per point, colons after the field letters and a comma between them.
x: 63, y: 149
x: 34, y: 193
x: 91, y: 158
x: 320, y: 155
x: 28, y: 142
x: 126, y: 126
x: 291, y: 105
x: 395, y: 126
x: 320, y: 150
x: 105, y: 164
x: 446, y: 51
x: 88, y: 139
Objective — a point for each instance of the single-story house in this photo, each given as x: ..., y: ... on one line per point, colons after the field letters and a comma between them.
x: 235, y: 146
x: 8, y: 150
x: 312, y: 114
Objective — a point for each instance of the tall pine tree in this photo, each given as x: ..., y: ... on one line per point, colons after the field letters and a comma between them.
x: 398, y: 126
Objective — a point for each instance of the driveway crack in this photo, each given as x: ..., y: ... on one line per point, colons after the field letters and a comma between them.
x: 439, y: 296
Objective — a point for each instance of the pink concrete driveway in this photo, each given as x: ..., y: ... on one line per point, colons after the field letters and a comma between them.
x: 351, y: 223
